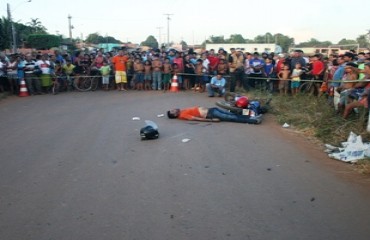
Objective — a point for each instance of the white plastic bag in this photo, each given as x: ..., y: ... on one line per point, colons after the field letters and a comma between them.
x: 354, y: 150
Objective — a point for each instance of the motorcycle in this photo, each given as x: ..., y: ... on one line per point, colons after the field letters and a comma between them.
x: 239, y: 104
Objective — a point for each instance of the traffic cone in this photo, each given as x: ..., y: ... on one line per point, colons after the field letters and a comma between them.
x: 174, y: 84
x: 23, y: 92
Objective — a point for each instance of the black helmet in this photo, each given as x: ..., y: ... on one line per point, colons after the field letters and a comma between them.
x: 148, y: 132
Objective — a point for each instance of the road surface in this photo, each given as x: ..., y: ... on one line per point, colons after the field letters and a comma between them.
x: 73, y: 167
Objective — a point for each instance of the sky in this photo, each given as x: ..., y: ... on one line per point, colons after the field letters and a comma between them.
x: 196, y: 20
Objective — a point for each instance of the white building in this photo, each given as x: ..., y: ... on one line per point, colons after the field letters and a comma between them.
x: 246, y: 47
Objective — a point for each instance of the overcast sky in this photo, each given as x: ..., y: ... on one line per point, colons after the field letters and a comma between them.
x: 195, y: 20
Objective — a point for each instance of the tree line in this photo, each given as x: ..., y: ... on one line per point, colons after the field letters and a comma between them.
x: 34, y: 35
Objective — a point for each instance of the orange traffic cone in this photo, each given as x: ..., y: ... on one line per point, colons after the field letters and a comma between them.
x: 23, y: 92
x: 174, y: 84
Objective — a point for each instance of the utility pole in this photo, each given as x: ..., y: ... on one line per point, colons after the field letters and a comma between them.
x: 168, y: 27
x: 159, y: 37
x: 14, y: 45
x: 70, y: 27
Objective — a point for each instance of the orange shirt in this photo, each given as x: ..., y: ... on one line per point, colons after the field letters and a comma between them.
x: 189, y: 113
x: 120, y: 62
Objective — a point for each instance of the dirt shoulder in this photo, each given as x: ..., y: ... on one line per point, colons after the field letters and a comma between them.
x: 314, y: 147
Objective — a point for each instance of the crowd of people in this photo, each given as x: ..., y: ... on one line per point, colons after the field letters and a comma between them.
x: 341, y: 77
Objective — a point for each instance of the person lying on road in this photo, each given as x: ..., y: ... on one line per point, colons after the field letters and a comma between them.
x: 210, y: 115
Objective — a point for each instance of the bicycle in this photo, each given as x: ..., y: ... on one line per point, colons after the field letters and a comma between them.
x: 85, y: 83
x: 311, y: 87
x: 59, y: 84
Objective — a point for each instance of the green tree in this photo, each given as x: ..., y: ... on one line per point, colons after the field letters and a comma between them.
x: 5, y: 34
x: 283, y: 41
x: 151, y: 42
x: 216, y: 39
x: 266, y: 38
x: 43, y: 41
x: 363, y: 40
x: 94, y: 38
x: 345, y: 41
x: 184, y: 45
x: 110, y: 39
x: 36, y: 26
x: 313, y: 42
x: 349, y: 42
x: 236, y: 38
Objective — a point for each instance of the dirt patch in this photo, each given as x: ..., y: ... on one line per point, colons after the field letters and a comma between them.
x: 314, y: 147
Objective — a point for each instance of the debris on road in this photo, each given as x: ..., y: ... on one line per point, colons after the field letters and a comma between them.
x: 286, y: 125
x: 160, y: 115
x: 136, y: 119
x: 150, y: 131
x: 185, y: 140
x: 351, y: 151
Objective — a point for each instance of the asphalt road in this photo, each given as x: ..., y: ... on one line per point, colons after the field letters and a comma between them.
x: 73, y: 167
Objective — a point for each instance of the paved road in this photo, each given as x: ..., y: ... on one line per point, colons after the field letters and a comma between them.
x: 73, y: 167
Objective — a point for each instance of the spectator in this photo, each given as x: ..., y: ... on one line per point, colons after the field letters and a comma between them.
x: 205, y: 72
x: 361, y: 64
x: 147, y: 75
x: 139, y: 74
x: 189, y: 73
x: 256, y: 70
x: 12, y: 74
x: 97, y: 61
x: 236, y: 68
x: 213, y: 62
x: 217, y: 85
x: 167, y: 69
x: 222, y: 67
x: 268, y: 72
x: 179, y: 61
x: 351, y: 74
x: 46, y: 68
x: 296, y: 78
x: 32, y: 80
x: 3, y: 71
x: 105, y: 71
x: 157, y: 73
x: 297, y: 57
x: 119, y: 65
x: 359, y: 97
x: 222, y: 54
x: 284, y: 76
x: 199, y: 74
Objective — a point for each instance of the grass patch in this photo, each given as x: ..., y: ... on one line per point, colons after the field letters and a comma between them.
x: 314, y: 117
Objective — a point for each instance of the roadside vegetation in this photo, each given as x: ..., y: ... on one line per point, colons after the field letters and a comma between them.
x: 313, y: 117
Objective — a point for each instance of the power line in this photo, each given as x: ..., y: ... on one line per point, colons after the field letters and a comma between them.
x: 159, y: 36
x: 70, y: 27
x: 168, y: 27
x: 13, y: 28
